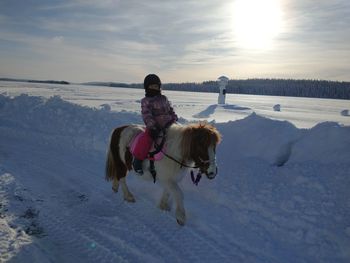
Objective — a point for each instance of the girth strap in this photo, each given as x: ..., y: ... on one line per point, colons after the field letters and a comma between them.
x: 152, y: 170
x: 158, y: 148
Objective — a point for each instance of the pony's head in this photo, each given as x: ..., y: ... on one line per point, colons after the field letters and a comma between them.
x: 199, y: 144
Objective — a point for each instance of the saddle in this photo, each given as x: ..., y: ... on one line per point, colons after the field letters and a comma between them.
x: 156, y: 153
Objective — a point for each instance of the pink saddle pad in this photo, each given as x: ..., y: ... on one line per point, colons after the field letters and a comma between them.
x: 135, y: 140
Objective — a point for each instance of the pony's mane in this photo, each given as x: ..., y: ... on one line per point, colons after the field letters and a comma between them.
x: 197, y: 136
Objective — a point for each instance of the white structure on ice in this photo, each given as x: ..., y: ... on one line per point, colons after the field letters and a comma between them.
x: 222, y: 89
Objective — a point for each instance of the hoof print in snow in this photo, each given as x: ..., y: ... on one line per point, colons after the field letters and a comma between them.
x: 31, y: 226
x: 19, y: 198
x: 35, y: 230
x: 83, y: 198
x: 30, y: 213
x: 3, y: 211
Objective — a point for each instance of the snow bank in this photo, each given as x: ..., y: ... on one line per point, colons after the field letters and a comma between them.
x: 327, y: 142
x: 68, y: 123
x: 279, y: 142
x: 252, y: 137
x: 258, y: 137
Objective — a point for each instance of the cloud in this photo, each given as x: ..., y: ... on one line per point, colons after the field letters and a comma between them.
x: 189, y: 40
x: 58, y: 39
x: 79, y: 3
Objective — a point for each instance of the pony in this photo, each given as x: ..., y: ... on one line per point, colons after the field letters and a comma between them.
x: 187, y: 146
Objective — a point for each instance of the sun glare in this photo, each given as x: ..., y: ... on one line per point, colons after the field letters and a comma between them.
x: 256, y: 23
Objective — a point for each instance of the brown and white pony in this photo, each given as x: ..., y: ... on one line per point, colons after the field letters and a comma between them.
x: 190, y: 145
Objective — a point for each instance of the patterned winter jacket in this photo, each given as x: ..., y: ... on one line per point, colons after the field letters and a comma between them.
x: 157, y: 111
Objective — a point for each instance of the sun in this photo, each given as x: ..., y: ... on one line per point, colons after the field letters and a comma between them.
x: 256, y: 23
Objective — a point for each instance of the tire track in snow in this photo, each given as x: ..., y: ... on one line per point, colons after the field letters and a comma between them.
x: 74, y: 244
x: 106, y: 234
x: 185, y: 241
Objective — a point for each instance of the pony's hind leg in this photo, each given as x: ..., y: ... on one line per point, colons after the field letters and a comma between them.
x: 115, y: 185
x: 127, y: 194
x: 164, y: 201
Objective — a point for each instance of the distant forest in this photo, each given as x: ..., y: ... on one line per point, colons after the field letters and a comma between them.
x: 61, y: 82
x: 273, y: 87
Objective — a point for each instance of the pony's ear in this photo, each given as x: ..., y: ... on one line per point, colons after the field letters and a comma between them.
x: 202, y: 124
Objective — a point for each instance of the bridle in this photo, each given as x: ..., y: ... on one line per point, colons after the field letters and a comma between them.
x: 195, y: 180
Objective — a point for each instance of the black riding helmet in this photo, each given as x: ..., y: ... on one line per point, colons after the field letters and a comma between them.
x: 149, y: 80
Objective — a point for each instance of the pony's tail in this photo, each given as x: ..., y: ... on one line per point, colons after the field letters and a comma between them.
x: 115, y: 167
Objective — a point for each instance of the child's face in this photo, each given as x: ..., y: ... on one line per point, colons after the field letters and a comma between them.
x: 153, y: 87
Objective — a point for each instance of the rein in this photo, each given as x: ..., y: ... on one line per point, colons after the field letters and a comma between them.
x: 159, y: 148
x: 181, y: 163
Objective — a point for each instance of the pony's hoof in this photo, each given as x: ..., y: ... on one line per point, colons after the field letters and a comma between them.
x: 164, y: 207
x: 181, y: 223
x: 115, y: 189
x: 130, y: 199
x: 180, y: 217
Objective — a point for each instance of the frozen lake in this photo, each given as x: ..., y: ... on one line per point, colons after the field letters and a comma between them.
x: 302, y: 112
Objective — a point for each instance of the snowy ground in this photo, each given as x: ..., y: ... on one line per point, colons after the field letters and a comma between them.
x: 281, y: 194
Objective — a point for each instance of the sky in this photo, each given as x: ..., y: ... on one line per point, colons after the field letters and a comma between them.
x: 181, y: 41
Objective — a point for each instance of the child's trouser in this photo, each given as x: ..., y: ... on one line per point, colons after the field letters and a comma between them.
x: 143, y: 146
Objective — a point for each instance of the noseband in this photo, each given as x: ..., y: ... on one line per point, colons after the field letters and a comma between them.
x: 207, y: 161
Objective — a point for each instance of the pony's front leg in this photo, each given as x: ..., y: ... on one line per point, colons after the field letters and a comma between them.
x: 180, y: 213
x: 164, y: 201
x: 127, y: 194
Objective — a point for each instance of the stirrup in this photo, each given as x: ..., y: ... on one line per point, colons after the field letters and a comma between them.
x: 138, y: 171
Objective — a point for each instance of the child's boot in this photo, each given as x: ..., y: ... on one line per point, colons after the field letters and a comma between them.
x: 137, y: 165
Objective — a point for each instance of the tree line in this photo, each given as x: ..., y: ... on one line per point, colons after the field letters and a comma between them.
x: 272, y: 87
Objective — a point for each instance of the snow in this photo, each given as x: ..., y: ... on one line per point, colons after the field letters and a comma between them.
x: 281, y: 194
